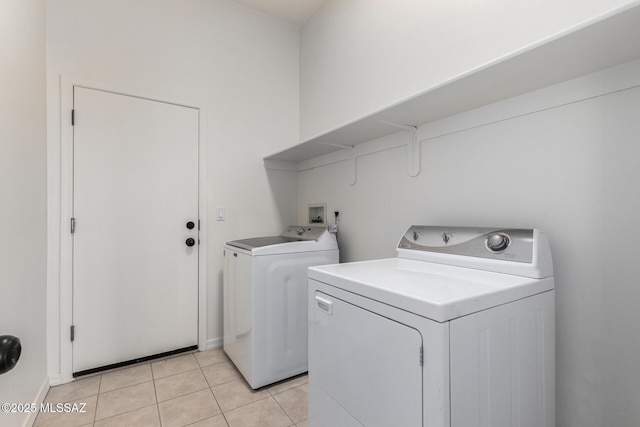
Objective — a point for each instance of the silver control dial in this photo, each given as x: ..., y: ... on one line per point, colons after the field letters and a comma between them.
x: 497, y: 242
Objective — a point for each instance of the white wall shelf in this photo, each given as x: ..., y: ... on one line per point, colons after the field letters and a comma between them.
x: 592, y: 46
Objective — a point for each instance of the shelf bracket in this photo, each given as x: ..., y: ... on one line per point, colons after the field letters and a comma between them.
x: 351, y: 159
x: 413, y: 147
x: 351, y: 165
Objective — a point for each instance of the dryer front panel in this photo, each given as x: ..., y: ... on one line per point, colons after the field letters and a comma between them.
x: 367, y: 368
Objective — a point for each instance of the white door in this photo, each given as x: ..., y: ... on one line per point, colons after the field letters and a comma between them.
x: 135, y: 277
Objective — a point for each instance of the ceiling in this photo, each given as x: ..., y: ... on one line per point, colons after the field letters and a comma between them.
x: 295, y: 11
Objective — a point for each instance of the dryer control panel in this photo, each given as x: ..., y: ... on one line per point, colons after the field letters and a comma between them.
x: 506, y: 250
x: 508, y: 244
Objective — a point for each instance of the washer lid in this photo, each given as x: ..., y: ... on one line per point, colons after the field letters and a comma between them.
x: 435, y: 291
x: 293, y: 239
x: 258, y: 242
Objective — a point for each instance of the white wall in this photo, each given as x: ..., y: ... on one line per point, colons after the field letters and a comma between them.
x: 237, y: 63
x: 563, y: 159
x: 359, y: 56
x: 570, y: 170
x: 23, y: 200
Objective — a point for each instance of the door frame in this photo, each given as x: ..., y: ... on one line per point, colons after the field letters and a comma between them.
x: 66, y: 210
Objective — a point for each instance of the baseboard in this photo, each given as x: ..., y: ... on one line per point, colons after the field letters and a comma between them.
x: 42, y: 393
x: 214, y: 343
x: 55, y: 379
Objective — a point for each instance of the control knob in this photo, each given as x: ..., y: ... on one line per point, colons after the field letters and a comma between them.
x: 497, y: 242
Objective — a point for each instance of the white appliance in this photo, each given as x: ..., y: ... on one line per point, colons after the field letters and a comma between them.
x: 458, y: 330
x: 265, y: 301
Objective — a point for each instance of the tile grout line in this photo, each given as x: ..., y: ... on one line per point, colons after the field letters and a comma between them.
x: 128, y: 385
x: 271, y: 393
x: 217, y: 403
x: 246, y: 404
x: 124, y: 413
x: 290, y: 389
x: 121, y: 388
x: 100, y: 393
x: 95, y: 414
x: 283, y: 382
x: 284, y: 410
x: 182, y: 373
x: 214, y: 395
x: 155, y: 391
x: 269, y: 396
x: 157, y: 403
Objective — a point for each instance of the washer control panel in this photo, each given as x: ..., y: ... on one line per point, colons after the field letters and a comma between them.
x: 303, y: 232
x: 503, y: 244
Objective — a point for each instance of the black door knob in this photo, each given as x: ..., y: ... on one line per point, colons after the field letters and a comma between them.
x: 190, y: 225
x: 10, y: 350
x: 190, y: 241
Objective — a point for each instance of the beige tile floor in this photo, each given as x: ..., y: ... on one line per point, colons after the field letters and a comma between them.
x: 201, y: 389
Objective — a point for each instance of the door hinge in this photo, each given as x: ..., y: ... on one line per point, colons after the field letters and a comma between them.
x: 73, y: 332
x: 73, y: 225
x: 73, y: 117
x: 421, y: 356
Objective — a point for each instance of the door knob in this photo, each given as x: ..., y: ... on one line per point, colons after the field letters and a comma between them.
x: 190, y: 241
x: 190, y: 225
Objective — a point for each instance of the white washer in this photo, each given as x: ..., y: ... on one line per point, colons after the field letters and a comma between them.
x: 458, y: 330
x: 265, y: 301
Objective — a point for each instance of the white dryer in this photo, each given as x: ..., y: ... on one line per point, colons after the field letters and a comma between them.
x: 458, y: 330
x: 265, y: 301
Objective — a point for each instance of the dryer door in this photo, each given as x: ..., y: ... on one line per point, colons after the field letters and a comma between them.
x: 364, y: 369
